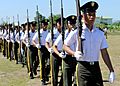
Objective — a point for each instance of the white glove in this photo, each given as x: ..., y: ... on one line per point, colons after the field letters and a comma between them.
x: 111, y: 77
x: 50, y: 50
x: 78, y: 55
x: 62, y: 55
x: 38, y: 46
x: 8, y: 40
x: 12, y: 41
x: 27, y: 45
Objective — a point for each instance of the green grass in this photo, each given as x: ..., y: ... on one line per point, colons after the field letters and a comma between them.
x: 114, y: 52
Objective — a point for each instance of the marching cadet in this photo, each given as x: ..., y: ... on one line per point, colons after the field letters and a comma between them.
x: 5, y: 31
x: 10, y: 41
x: 23, y: 47
x: 58, y: 46
x: 88, y: 70
x: 30, y: 46
x: 44, y: 56
x: 17, y: 43
x: 55, y: 62
x: 1, y: 34
x: 57, y: 57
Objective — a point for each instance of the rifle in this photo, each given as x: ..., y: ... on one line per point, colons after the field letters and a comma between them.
x: 51, y: 59
x: 79, y: 25
x: 62, y: 23
x: 52, y: 35
x: 28, y: 50
x: 9, y: 55
x: 39, y: 52
x: 19, y: 38
x: 14, y: 36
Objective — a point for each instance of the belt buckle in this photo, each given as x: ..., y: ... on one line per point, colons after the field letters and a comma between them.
x: 91, y: 63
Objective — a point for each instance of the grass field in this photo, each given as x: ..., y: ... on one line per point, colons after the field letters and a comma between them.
x: 14, y: 75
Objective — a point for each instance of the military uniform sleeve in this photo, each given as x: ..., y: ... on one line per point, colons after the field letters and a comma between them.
x: 58, y: 40
x: 35, y: 37
x: 48, y: 38
x: 104, y: 43
x: 70, y: 39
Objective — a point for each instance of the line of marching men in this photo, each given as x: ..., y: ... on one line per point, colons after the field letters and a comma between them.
x: 47, y: 49
x: 24, y: 49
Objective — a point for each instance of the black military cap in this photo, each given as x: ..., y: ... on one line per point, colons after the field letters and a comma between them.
x: 28, y: 23
x: 91, y: 6
x: 71, y: 19
x: 45, y: 21
x: 59, y: 20
x: 33, y: 23
x: 10, y: 25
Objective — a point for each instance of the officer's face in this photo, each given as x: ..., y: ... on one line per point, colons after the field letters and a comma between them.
x: 89, y: 18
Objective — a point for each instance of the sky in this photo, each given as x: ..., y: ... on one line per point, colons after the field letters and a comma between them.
x: 10, y: 8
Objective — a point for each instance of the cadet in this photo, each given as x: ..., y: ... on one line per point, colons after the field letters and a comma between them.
x: 10, y: 41
x: 69, y: 62
x: 88, y: 70
x: 23, y: 48
x: 16, y: 45
x: 31, y: 47
x: 44, y: 52
x: 57, y: 57
x: 1, y: 34
x: 4, y: 40
x: 54, y: 62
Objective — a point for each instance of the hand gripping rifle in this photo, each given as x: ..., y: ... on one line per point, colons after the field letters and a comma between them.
x: 28, y: 49
x: 79, y: 25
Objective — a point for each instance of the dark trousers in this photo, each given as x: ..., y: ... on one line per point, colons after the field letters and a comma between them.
x: 44, y: 63
x: 16, y: 46
x: 4, y: 47
x: 88, y: 74
x: 56, y: 63
x: 69, y: 66
x: 33, y: 56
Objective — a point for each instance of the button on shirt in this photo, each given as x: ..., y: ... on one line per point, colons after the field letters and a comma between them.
x: 43, y: 35
x: 93, y: 42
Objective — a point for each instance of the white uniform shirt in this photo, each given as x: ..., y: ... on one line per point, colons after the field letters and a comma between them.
x: 4, y: 34
x: 93, y: 42
x: 17, y: 36
x: 55, y: 35
x: 11, y: 38
x: 43, y: 35
x: 59, y: 42
x: 1, y: 33
x: 31, y: 36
